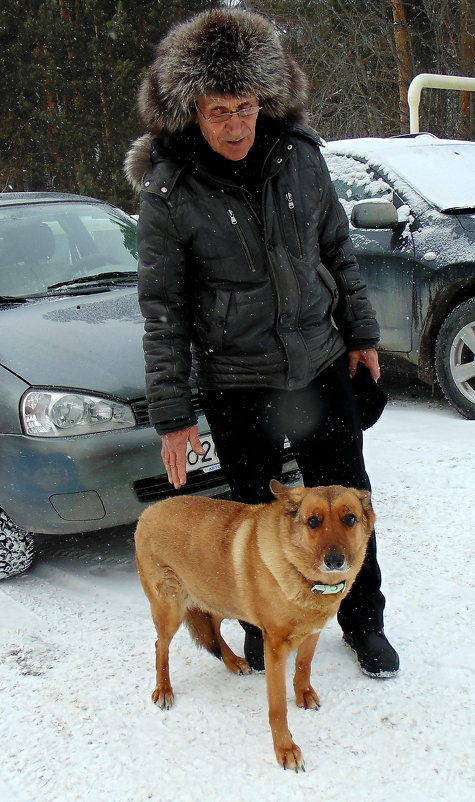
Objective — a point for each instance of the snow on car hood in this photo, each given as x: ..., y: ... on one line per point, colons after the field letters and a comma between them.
x: 90, y: 342
x: 441, y: 170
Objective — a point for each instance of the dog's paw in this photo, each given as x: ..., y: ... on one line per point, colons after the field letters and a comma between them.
x: 242, y: 666
x: 238, y: 665
x: 307, y: 698
x: 163, y: 697
x: 290, y: 757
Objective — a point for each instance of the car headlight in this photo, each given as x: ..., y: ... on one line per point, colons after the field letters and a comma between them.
x: 52, y: 413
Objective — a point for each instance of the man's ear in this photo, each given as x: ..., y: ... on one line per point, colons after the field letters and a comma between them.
x: 289, y: 497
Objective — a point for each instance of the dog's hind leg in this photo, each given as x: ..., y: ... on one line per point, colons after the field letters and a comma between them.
x: 238, y: 665
x: 167, y: 614
x: 205, y: 629
x: 305, y: 695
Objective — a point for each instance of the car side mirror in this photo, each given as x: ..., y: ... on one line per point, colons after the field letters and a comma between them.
x: 374, y: 213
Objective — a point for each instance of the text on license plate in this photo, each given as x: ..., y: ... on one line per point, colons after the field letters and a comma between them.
x: 206, y: 462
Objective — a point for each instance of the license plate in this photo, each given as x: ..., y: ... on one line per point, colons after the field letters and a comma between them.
x: 208, y: 461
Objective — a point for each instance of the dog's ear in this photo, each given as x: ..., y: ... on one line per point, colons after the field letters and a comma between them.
x: 365, y: 498
x: 289, y: 497
x: 278, y: 488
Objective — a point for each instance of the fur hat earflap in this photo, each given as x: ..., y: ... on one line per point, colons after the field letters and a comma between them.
x: 137, y: 161
x: 225, y: 51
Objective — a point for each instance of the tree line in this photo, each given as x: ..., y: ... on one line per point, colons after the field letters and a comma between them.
x: 70, y: 70
x: 361, y: 56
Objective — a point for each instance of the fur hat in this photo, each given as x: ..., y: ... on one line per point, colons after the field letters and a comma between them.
x: 224, y: 51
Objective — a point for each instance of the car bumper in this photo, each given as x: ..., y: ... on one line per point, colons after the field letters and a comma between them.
x: 86, y: 483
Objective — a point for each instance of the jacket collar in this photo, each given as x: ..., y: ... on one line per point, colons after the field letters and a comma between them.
x: 158, y: 162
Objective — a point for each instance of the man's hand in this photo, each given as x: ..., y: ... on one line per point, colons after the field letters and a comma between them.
x: 369, y: 358
x: 174, y: 447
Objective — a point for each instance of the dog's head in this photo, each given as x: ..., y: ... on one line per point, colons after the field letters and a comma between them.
x: 326, y: 529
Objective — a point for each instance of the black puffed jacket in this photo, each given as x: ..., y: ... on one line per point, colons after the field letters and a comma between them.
x: 257, y: 294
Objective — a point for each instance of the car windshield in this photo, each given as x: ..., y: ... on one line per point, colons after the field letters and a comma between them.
x: 44, y: 246
x: 442, y: 173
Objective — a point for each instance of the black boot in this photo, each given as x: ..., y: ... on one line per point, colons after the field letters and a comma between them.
x: 376, y: 656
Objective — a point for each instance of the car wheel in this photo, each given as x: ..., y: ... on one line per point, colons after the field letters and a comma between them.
x: 17, y: 548
x: 455, y: 358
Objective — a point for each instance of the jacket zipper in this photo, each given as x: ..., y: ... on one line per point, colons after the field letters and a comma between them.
x: 243, y: 242
x: 291, y: 205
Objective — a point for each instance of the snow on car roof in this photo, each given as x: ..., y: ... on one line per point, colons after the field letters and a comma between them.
x: 441, y: 170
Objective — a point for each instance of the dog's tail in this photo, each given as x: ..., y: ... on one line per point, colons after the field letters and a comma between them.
x: 200, y: 625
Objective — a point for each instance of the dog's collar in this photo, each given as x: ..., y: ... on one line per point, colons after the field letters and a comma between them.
x: 326, y: 590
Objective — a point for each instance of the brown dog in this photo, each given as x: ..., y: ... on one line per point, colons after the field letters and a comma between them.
x: 283, y: 566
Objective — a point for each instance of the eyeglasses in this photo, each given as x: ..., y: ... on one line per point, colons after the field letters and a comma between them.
x: 223, y: 118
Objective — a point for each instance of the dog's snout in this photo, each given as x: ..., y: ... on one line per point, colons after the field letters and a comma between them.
x: 334, y: 560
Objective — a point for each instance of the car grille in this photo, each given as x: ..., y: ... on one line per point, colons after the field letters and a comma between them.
x: 140, y: 410
x: 157, y: 487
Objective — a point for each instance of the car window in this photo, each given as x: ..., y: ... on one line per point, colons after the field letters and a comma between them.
x: 45, y: 244
x: 355, y: 180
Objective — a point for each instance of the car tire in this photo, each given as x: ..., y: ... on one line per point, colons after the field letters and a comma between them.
x: 17, y: 548
x: 455, y: 358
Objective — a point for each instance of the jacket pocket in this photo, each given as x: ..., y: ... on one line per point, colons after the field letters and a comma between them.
x: 242, y: 240
x: 293, y: 219
x: 329, y: 282
x: 211, y: 323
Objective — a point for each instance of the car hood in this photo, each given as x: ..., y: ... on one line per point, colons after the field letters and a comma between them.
x: 91, y: 342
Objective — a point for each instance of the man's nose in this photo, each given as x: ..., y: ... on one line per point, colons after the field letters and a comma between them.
x: 234, y: 123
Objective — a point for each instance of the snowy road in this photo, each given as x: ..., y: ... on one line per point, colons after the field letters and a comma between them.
x: 77, y: 664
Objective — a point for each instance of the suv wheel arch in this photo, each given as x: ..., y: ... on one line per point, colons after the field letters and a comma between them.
x: 447, y: 299
x: 455, y: 358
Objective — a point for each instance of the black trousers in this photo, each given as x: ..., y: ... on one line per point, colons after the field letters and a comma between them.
x: 322, y: 423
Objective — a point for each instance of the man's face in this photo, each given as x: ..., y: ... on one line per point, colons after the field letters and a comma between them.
x: 233, y: 138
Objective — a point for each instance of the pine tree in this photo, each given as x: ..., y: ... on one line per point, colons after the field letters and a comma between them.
x: 70, y: 71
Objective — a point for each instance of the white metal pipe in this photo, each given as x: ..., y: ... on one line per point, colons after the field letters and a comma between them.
x: 427, y: 80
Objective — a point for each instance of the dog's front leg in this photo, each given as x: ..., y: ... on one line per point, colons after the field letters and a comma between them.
x: 287, y: 752
x: 305, y: 695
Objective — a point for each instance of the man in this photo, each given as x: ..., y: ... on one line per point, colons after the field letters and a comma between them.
x: 246, y: 266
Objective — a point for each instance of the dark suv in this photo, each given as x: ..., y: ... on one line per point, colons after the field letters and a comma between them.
x: 411, y: 204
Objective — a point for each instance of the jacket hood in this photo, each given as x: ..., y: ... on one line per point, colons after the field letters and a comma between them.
x: 224, y: 51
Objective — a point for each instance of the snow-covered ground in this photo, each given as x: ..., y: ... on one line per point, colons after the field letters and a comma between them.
x: 77, y: 663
